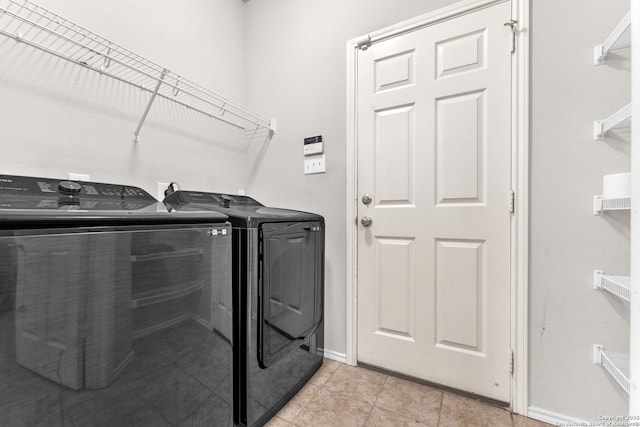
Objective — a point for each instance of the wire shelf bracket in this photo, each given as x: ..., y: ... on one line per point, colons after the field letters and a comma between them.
x: 136, y: 134
x: 35, y: 26
x: 619, y: 38
x: 617, y: 364
x: 620, y: 286
x: 601, y: 127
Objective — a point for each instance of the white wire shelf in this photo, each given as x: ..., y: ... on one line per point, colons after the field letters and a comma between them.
x: 617, y: 364
x: 617, y: 285
x: 33, y: 25
x: 619, y: 38
x: 601, y: 205
x: 601, y: 127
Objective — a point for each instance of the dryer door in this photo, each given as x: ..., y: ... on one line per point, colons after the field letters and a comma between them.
x: 291, y: 286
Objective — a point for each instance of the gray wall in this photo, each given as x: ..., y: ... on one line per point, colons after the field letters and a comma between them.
x: 567, y: 242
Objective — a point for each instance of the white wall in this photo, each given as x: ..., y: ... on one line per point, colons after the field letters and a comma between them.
x: 57, y: 117
x: 567, y: 242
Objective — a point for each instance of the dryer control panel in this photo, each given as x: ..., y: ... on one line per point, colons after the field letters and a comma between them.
x: 220, y: 199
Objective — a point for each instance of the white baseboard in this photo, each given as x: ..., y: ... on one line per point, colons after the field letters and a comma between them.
x: 334, y: 355
x: 552, y: 417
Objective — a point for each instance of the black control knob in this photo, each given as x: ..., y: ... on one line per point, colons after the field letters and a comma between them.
x: 70, y: 188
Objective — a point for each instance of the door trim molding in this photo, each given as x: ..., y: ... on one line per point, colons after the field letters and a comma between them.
x: 520, y: 93
x: 519, y: 181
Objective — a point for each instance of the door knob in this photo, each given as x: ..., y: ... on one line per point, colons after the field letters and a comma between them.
x: 366, y: 199
x: 366, y: 221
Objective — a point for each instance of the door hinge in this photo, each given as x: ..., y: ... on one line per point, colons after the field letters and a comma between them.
x: 513, y: 24
x: 511, y: 362
x: 512, y: 202
x: 364, y: 44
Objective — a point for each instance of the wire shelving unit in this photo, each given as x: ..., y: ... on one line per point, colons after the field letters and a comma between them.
x: 618, y: 365
x: 33, y: 25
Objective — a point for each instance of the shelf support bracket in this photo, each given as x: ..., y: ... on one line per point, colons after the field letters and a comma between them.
x: 597, y: 354
x: 136, y: 138
x: 597, y: 205
x: 601, y: 127
x: 619, y: 38
x: 597, y: 279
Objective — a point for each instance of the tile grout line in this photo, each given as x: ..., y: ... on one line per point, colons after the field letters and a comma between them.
x: 373, y: 405
x: 320, y: 388
x: 315, y: 395
x: 368, y: 416
x: 381, y: 389
x: 329, y: 377
x: 348, y: 396
x: 440, y: 409
x: 303, y: 406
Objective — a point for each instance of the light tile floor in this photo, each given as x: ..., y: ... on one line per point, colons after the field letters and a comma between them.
x: 343, y: 396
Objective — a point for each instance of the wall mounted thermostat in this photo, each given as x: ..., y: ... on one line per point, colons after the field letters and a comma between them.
x: 313, y: 145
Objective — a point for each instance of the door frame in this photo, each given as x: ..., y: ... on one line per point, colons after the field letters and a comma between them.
x: 520, y: 83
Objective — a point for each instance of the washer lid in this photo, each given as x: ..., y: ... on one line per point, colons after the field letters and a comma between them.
x: 46, y: 201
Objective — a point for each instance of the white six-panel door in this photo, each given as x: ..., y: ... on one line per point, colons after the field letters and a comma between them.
x: 433, y: 144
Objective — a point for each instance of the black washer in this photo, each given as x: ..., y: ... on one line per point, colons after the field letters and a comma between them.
x: 113, y: 310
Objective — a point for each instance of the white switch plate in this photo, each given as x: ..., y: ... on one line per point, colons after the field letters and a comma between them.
x: 77, y: 176
x: 314, y: 164
x: 161, y: 187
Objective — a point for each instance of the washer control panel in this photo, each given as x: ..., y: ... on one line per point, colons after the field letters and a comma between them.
x: 25, y: 192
